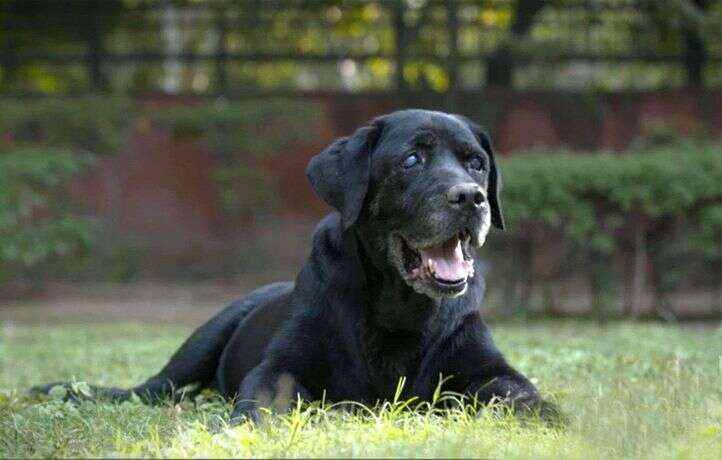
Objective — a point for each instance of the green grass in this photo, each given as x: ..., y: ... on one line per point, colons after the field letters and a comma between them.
x: 628, y: 391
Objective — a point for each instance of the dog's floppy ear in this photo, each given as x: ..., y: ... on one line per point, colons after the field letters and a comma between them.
x: 494, y: 188
x: 340, y: 174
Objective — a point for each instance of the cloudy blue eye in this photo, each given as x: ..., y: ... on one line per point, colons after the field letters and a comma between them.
x: 476, y: 163
x: 411, y: 160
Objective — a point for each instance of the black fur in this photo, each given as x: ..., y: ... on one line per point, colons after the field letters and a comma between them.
x: 353, y: 324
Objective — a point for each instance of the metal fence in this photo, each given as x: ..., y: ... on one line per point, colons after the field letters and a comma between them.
x: 399, y: 46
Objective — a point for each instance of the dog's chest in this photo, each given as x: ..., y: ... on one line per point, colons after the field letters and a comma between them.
x: 390, y: 356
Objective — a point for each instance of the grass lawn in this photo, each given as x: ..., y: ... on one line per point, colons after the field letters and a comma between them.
x: 629, y: 390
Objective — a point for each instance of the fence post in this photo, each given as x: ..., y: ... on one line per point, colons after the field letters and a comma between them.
x: 639, y: 272
x: 694, y: 58
x: 94, y: 41
x: 400, y: 44
x: 453, y: 61
x: 695, y: 51
x: 221, y: 75
x: 8, y: 61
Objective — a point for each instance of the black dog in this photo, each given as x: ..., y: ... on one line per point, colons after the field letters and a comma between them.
x: 389, y: 289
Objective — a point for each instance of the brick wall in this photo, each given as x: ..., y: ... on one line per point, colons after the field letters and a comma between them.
x: 159, y: 191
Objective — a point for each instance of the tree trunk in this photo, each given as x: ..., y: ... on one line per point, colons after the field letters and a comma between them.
x: 94, y: 41
x: 639, y: 274
x: 401, y: 42
x: 526, y: 258
x: 695, y: 52
x: 500, y: 68
x: 694, y: 58
x: 453, y: 61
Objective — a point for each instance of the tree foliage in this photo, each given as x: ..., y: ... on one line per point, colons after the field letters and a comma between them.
x: 399, y: 44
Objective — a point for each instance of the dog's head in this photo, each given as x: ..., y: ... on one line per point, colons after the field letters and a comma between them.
x: 423, y: 187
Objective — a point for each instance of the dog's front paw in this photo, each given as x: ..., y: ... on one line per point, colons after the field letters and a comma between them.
x: 539, y: 408
x: 245, y: 411
x: 242, y: 412
x: 65, y: 391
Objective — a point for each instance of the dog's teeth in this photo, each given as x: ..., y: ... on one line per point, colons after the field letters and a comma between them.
x: 469, y: 265
x: 430, y: 265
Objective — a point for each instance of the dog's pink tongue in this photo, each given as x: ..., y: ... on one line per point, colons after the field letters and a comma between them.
x: 447, y: 259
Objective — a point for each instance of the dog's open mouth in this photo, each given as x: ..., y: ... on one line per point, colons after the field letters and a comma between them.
x: 448, y: 265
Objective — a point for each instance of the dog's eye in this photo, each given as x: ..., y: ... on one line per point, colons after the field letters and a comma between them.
x: 411, y: 160
x: 476, y: 163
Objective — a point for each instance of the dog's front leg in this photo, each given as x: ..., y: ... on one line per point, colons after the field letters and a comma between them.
x: 479, y: 371
x: 508, y: 387
x: 515, y: 391
x: 266, y: 387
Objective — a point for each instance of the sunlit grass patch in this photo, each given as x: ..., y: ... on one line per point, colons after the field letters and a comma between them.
x: 627, y: 390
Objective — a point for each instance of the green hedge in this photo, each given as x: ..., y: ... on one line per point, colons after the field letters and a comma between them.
x: 39, y: 229
x: 241, y: 133
x: 97, y: 124
x: 245, y: 128
x: 663, y: 199
x: 44, y: 145
x: 46, y: 142
x: 573, y: 192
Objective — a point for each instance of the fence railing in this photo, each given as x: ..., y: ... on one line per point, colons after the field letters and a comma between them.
x: 398, y: 46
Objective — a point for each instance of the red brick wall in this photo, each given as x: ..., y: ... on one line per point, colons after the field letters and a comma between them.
x: 160, y: 192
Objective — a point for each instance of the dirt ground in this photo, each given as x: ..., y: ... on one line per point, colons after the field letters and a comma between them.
x: 192, y: 303
x: 146, y: 301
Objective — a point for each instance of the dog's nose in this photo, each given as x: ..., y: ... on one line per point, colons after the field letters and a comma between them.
x: 467, y: 195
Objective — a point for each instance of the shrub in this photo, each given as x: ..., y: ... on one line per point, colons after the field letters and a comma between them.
x: 38, y: 228
x: 91, y: 123
x: 240, y: 134
x: 662, y: 199
x: 572, y: 192
x: 45, y: 144
x: 246, y: 128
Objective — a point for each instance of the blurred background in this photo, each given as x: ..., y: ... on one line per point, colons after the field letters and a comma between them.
x: 152, y: 153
